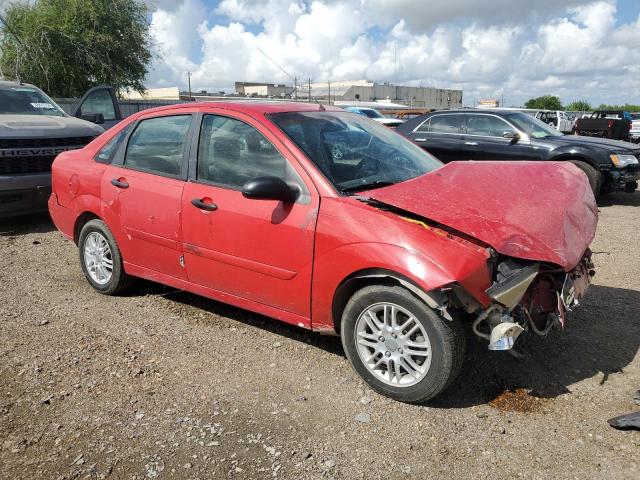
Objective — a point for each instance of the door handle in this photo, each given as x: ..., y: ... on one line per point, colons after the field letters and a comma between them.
x: 198, y: 203
x: 421, y: 139
x: 473, y: 144
x: 119, y: 183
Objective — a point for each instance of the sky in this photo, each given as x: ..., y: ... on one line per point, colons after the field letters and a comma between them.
x: 516, y: 49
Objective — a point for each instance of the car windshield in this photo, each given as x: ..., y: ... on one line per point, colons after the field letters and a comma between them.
x: 532, y: 126
x: 352, y: 152
x: 635, y: 116
x: 24, y: 100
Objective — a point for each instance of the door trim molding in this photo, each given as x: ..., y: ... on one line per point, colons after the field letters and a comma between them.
x: 252, y: 265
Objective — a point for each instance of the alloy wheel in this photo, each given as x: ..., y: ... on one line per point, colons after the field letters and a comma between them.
x: 393, y: 344
x: 98, y: 258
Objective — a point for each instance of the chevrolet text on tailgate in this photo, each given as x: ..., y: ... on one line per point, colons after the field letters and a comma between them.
x: 332, y: 222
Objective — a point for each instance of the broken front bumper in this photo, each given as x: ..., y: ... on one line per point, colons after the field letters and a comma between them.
x: 531, y: 297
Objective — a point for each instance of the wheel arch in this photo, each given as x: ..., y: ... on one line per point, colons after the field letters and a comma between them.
x: 578, y: 157
x: 81, y: 221
x: 380, y: 276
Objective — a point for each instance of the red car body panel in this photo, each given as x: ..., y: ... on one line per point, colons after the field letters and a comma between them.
x: 288, y: 261
x: 504, y: 206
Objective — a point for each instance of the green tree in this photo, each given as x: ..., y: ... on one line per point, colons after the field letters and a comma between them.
x: 546, y: 102
x: 579, y: 106
x: 67, y: 46
x: 627, y: 107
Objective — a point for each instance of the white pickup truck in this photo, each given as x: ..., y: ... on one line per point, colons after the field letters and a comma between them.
x: 559, y: 120
x: 634, y: 133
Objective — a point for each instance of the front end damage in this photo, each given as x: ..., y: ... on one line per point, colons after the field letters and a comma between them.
x: 528, y: 297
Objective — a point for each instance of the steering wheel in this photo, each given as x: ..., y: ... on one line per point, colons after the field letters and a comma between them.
x: 367, y: 167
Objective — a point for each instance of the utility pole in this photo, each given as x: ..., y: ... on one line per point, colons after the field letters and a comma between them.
x: 309, y: 90
x: 295, y: 89
x: 189, y: 80
x: 329, y: 83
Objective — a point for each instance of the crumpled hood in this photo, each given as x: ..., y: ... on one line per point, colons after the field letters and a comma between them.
x: 541, y: 211
x: 45, y: 126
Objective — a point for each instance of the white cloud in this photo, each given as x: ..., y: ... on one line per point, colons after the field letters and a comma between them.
x: 574, y: 48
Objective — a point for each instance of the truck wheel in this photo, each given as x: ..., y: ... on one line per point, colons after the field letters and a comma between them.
x: 594, y: 176
x: 101, y: 260
x: 399, y: 346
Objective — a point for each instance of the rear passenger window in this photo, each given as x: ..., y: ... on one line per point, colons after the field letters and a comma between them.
x: 442, y: 124
x: 487, y: 126
x: 231, y: 152
x: 106, y: 154
x: 157, y: 145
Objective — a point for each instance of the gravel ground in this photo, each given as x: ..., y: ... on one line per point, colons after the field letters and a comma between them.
x: 164, y: 384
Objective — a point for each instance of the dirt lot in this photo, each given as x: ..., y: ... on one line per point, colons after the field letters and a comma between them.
x: 164, y: 384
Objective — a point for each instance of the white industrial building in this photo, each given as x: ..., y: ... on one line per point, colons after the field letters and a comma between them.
x: 368, y: 91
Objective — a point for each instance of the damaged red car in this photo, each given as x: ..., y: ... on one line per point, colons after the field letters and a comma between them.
x: 327, y: 220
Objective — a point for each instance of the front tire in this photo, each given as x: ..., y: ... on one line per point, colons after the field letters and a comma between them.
x: 399, y: 346
x: 101, y: 260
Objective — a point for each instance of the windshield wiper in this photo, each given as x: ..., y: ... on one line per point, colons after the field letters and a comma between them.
x: 366, y: 186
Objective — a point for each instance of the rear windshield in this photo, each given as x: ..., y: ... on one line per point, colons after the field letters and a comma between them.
x: 371, y: 113
x: 23, y: 100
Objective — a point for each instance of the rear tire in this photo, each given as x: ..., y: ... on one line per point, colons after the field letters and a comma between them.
x: 594, y: 176
x: 434, y: 352
x: 100, y: 259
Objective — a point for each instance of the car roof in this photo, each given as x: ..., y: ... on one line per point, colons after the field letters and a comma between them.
x: 475, y: 110
x: 252, y: 107
x: 9, y: 83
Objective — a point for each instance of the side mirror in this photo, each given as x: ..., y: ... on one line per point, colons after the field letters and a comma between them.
x: 511, y: 135
x: 97, y: 118
x: 270, y: 188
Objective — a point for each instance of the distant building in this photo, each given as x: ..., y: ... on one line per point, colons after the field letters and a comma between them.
x: 489, y: 104
x: 252, y: 89
x: 169, y: 93
x: 368, y: 91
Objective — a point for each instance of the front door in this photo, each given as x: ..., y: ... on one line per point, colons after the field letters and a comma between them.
x: 260, y: 250
x: 143, y: 187
x: 99, y: 105
x: 486, y: 137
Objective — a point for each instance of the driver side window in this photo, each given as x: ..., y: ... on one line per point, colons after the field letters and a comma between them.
x: 231, y: 152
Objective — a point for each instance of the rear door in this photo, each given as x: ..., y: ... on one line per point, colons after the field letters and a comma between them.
x: 259, y: 250
x: 143, y: 188
x: 485, y: 134
x: 99, y: 105
x: 442, y: 136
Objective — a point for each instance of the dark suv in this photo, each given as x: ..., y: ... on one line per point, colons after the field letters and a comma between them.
x: 33, y: 131
x: 512, y: 135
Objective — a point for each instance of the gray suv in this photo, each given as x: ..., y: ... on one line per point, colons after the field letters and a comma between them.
x: 33, y: 130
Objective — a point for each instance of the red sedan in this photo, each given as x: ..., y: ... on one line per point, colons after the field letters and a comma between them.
x: 327, y: 220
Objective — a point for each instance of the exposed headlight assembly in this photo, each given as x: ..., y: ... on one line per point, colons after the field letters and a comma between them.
x: 622, y: 161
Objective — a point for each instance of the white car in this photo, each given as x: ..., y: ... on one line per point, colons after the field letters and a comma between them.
x: 373, y: 114
x: 558, y: 119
